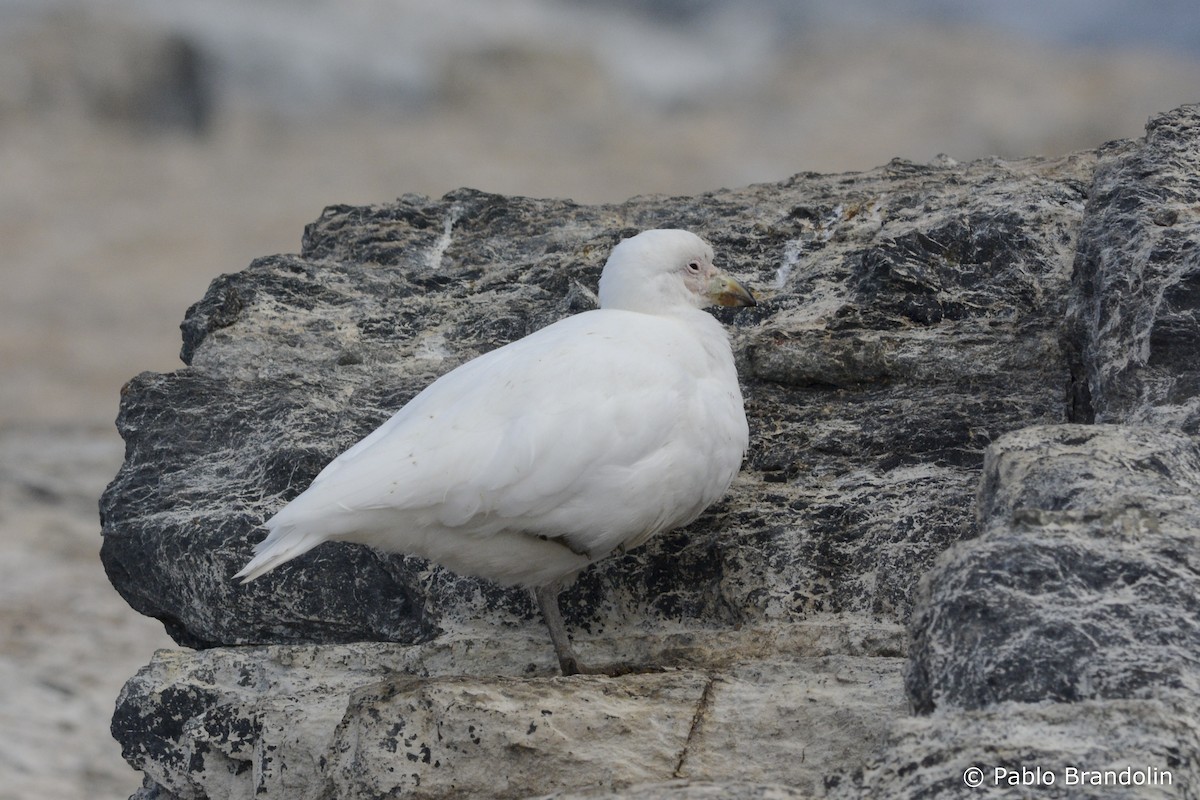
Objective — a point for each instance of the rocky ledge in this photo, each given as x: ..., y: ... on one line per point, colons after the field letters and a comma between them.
x: 965, y: 536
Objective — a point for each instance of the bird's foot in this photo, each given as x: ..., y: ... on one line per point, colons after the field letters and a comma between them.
x: 568, y: 662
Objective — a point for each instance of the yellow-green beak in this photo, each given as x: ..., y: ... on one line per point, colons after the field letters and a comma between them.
x: 725, y: 291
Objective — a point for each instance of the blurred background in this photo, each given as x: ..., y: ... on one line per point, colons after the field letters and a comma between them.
x: 147, y: 146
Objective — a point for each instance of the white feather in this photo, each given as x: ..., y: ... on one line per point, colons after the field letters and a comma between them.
x: 529, y: 462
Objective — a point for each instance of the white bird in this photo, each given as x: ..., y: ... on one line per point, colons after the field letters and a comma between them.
x: 531, y: 461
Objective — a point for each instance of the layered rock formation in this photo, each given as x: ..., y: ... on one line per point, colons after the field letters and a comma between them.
x: 932, y: 560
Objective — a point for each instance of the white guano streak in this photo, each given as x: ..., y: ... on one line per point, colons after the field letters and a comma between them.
x: 434, y: 260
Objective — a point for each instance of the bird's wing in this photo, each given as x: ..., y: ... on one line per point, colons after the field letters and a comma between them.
x: 509, y: 437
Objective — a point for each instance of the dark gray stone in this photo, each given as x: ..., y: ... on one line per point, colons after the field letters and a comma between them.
x: 1066, y: 633
x: 1085, y: 582
x: 930, y: 341
x: 910, y: 315
x: 1138, y: 278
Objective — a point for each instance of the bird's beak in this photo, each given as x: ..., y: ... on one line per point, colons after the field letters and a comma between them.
x: 725, y: 291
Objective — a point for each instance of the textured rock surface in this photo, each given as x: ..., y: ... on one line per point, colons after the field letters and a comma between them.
x: 931, y: 756
x: 1068, y: 633
x: 378, y: 719
x: 1085, y: 581
x: 1138, y: 279
x: 912, y: 317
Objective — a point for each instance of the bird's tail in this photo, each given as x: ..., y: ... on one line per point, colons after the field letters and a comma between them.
x: 283, y: 544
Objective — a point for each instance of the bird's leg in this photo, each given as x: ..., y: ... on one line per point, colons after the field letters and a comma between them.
x: 547, y: 599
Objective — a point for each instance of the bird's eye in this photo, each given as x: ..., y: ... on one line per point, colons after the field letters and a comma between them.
x: 694, y: 267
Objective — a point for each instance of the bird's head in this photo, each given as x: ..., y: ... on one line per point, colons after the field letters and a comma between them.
x: 659, y: 270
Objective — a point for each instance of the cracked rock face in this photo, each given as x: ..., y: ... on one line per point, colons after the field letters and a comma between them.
x: 909, y: 317
x: 931, y: 344
x: 1067, y: 635
x: 1138, y: 274
x: 378, y: 720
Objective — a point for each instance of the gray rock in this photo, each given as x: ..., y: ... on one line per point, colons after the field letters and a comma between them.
x: 904, y: 326
x: 1138, y: 278
x: 1084, y: 583
x: 378, y: 719
x: 688, y: 790
x: 1067, y: 636
x: 914, y: 319
x: 1046, y: 748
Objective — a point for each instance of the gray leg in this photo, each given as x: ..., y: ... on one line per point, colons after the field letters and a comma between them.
x: 547, y: 599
